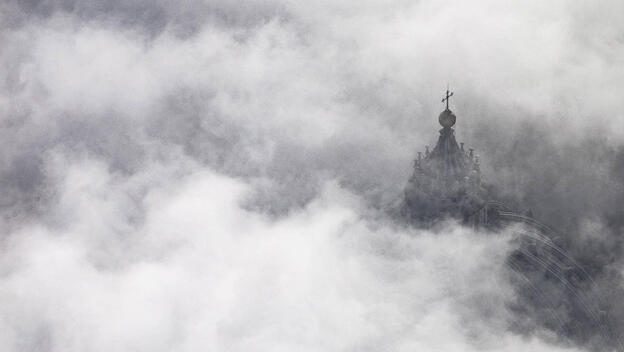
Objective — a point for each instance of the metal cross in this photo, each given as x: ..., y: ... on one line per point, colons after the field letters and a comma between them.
x: 447, y: 98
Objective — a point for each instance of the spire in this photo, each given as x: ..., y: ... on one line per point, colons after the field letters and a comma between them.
x: 446, y: 178
x: 447, y: 153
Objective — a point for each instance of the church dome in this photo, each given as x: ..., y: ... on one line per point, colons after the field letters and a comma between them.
x: 447, y: 118
x: 551, y: 288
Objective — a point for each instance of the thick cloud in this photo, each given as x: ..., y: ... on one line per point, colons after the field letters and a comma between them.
x: 201, y: 272
x: 114, y: 113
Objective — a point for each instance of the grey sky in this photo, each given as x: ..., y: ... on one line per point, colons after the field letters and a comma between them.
x: 108, y: 109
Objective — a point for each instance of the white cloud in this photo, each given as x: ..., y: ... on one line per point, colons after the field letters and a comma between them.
x: 201, y: 272
x: 152, y: 152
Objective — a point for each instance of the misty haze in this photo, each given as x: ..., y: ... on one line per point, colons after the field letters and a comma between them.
x: 278, y: 175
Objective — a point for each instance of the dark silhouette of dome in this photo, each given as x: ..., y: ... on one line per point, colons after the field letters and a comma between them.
x: 552, y: 289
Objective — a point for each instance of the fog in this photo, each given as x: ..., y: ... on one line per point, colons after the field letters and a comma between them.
x: 203, y: 273
x: 216, y: 175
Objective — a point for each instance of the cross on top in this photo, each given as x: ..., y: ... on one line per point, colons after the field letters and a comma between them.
x: 446, y: 99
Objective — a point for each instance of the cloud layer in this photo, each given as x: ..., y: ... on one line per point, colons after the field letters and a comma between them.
x: 201, y: 272
x: 204, y: 173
